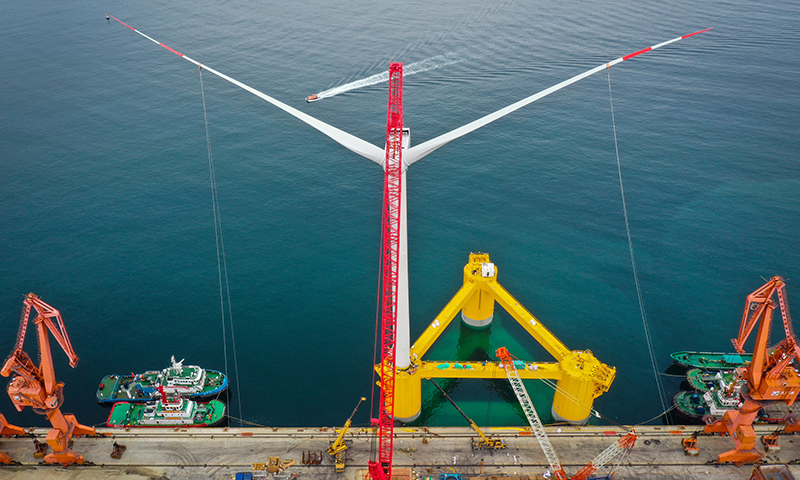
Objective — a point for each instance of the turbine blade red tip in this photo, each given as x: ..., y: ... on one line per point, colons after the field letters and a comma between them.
x: 627, y: 57
x: 120, y: 21
x: 695, y: 33
x: 171, y: 50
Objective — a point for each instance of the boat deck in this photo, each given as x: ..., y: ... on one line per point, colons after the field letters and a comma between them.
x: 217, y: 453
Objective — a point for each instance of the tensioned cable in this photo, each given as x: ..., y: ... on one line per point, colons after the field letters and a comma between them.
x: 673, y: 407
x: 222, y: 265
x: 378, y: 319
x: 378, y: 328
x: 661, y: 395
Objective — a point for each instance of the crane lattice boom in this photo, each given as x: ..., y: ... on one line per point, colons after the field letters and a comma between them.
x: 619, y: 447
x: 530, y: 412
x: 381, y: 469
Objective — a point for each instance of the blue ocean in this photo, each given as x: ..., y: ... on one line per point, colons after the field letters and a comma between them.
x: 106, y: 199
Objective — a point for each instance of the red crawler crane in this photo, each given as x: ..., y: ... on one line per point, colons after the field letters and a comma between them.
x: 769, y: 376
x: 381, y: 469
x: 36, y: 387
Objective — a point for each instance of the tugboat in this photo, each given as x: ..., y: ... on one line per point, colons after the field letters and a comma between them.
x: 168, y: 411
x: 711, y: 361
x: 190, y: 381
x: 713, y: 395
x: 703, y: 381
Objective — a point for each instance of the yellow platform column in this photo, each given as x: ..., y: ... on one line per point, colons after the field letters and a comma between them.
x: 478, y: 312
x: 407, y: 396
x: 585, y: 378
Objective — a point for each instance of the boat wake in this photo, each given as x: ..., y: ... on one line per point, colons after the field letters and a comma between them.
x: 410, y: 69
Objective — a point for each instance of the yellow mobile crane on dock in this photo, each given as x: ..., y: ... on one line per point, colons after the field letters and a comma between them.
x: 485, y: 442
x: 338, y: 447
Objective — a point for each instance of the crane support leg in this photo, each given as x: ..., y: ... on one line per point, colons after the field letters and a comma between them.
x: 6, y: 429
x: 739, y: 425
x: 65, y: 427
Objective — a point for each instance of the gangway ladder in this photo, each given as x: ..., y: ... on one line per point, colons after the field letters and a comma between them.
x: 530, y: 412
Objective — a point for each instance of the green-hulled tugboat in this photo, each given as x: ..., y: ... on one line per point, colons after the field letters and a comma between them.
x: 168, y: 411
x: 711, y: 361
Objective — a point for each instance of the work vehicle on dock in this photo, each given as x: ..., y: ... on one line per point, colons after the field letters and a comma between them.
x: 338, y: 448
x: 190, y: 381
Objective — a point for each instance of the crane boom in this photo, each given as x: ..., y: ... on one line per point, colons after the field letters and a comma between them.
x: 381, y: 469
x: 338, y: 448
x: 530, y: 413
x: 619, y: 447
x: 485, y: 442
x: 338, y: 445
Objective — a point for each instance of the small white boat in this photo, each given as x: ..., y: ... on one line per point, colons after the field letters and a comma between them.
x: 312, y: 98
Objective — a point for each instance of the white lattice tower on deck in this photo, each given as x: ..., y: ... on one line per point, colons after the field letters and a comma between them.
x: 530, y: 413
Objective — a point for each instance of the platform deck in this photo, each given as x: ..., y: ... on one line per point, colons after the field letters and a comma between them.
x: 218, y: 453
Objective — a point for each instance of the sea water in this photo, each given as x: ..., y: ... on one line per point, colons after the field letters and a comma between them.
x: 106, y: 204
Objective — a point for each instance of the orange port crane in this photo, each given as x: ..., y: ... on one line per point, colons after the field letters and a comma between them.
x: 381, y: 468
x: 36, y: 387
x: 770, y: 376
x: 622, y: 445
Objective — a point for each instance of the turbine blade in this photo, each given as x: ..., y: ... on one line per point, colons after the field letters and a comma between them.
x: 423, y: 149
x: 350, y: 142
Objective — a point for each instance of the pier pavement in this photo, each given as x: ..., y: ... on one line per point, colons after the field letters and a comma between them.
x: 219, y: 453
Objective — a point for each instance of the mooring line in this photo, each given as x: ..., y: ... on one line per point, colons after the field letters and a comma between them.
x: 654, y: 363
x: 222, y: 264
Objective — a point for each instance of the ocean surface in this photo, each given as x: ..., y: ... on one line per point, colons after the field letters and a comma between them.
x: 106, y: 206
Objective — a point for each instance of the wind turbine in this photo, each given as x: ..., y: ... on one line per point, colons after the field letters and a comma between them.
x: 410, y: 155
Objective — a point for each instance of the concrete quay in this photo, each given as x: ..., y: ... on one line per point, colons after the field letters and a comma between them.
x: 218, y: 453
